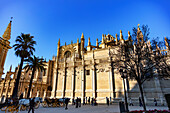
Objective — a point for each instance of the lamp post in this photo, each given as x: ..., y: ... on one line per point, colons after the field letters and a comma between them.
x: 123, y: 75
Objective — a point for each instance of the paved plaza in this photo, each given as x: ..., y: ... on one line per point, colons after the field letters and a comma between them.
x: 90, y: 109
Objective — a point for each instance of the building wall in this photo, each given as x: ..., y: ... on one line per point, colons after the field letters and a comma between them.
x: 80, y: 72
x: 94, y: 75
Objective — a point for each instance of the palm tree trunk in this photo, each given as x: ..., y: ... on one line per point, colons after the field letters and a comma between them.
x: 29, y: 90
x: 15, y: 91
x: 141, y: 92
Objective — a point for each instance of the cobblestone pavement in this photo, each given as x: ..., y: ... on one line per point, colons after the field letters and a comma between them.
x: 89, y: 109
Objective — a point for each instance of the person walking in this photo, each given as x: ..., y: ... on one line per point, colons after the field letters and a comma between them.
x: 95, y: 103
x: 86, y: 100
x: 66, y: 102
x: 89, y: 100
x: 92, y: 100
x: 83, y: 101
x: 130, y: 102
x: 108, y: 101
x: 77, y: 102
x: 155, y: 101
x: 32, y: 103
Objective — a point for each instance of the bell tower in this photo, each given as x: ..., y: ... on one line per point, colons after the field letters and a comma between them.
x: 4, y: 46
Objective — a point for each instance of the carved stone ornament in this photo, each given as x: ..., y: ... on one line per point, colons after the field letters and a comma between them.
x: 69, y: 48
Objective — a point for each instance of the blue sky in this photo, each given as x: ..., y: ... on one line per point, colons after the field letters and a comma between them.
x: 49, y: 20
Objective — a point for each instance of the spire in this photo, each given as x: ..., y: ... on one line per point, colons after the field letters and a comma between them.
x: 116, y: 40
x: 58, y: 48
x: 7, y: 33
x: 121, y: 36
x: 82, y: 43
x: 102, y: 39
x: 138, y: 27
x: 59, y: 42
x: 102, y: 35
x: 139, y: 34
x: 129, y: 37
x: 82, y: 36
x: 128, y: 33
x: 77, y: 40
x: 10, y: 68
x: 89, y: 44
x: 97, y: 44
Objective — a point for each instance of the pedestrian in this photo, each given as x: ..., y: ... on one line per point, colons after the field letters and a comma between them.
x: 86, y: 100
x: 77, y: 102
x: 92, y: 100
x: 155, y: 101
x: 66, y: 102
x: 95, y: 103
x: 83, y: 101
x: 32, y: 103
x: 89, y: 100
x: 108, y: 101
x: 140, y: 102
x: 130, y: 102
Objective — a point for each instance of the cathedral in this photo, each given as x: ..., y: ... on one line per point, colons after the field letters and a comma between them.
x: 79, y: 71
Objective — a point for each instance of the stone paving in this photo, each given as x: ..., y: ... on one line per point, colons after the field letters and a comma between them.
x: 90, y: 109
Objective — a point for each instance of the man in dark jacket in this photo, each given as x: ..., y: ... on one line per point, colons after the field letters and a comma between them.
x: 89, y: 100
x: 66, y: 102
x: 77, y: 102
x: 32, y: 103
x: 108, y: 101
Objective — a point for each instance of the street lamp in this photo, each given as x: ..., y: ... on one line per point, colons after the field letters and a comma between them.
x: 124, y: 75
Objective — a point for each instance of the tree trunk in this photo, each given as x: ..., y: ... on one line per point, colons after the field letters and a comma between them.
x: 15, y: 91
x: 30, y: 85
x: 141, y: 92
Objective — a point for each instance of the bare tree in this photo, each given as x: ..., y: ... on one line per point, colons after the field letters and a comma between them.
x: 137, y: 60
x: 161, y: 57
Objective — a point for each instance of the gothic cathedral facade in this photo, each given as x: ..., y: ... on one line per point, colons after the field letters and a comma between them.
x: 79, y: 71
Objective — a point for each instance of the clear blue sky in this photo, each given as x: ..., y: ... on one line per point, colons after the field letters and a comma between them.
x: 49, y: 20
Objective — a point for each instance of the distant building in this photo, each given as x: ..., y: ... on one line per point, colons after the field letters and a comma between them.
x: 79, y: 71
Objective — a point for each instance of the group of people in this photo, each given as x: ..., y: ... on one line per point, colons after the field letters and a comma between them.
x: 140, y: 102
x: 86, y: 101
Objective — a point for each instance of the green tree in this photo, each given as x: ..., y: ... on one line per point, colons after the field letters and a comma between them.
x: 34, y: 63
x: 24, y: 48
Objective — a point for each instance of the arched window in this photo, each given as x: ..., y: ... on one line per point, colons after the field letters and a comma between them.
x: 67, y: 54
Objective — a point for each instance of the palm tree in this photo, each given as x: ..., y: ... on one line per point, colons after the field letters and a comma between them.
x: 34, y: 64
x: 24, y: 48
